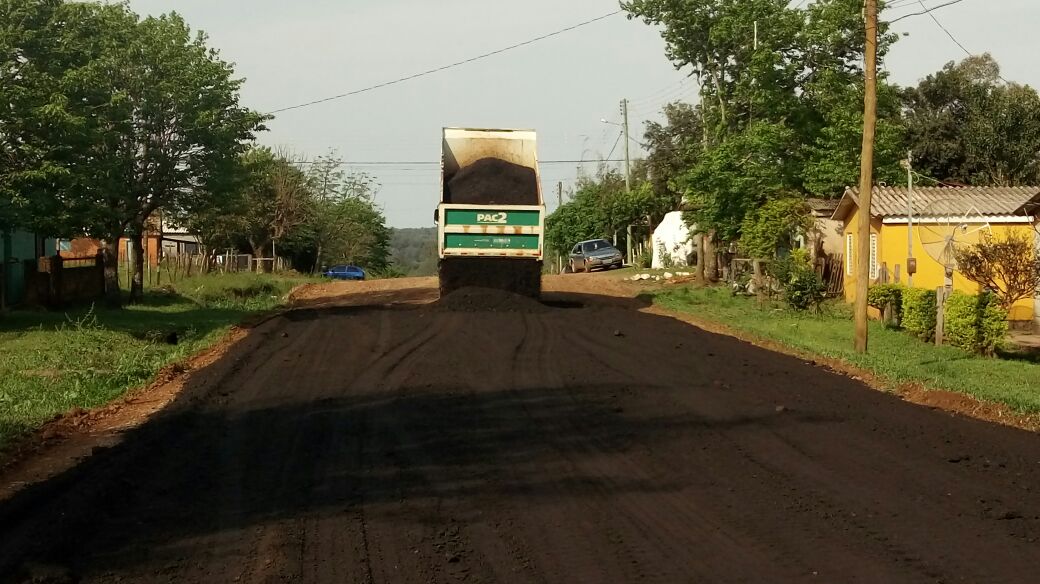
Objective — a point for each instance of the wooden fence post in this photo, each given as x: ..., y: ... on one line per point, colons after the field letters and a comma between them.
x: 99, y: 268
x: 55, y: 281
x: 940, y: 324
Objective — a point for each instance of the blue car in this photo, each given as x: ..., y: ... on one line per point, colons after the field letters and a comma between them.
x: 345, y: 273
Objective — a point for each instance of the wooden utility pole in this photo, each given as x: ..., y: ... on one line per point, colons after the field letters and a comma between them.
x: 559, y: 194
x: 910, y: 219
x: 866, y: 178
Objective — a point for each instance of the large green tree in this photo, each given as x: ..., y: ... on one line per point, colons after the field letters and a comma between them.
x: 714, y: 39
x: 780, y: 118
x: 44, y: 46
x: 175, y: 106
x: 967, y: 125
x: 109, y: 118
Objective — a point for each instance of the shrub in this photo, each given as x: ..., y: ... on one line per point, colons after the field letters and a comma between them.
x: 919, y: 312
x: 975, y: 323
x: 1009, y: 266
x: 803, y: 287
x: 887, y: 298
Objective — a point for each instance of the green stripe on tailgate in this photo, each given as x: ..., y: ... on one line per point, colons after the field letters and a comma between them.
x: 492, y: 217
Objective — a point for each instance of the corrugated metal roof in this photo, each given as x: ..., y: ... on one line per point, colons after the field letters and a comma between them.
x: 946, y: 201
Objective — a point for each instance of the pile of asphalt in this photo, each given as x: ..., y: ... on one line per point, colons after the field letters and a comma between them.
x: 492, y: 181
x: 476, y: 299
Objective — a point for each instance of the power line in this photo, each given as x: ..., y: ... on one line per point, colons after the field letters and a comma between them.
x: 616, y: 142
x: 953, y: 38
x: 446, y: 67
x: 926, y: 11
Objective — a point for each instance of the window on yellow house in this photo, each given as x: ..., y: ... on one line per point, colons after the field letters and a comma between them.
x: 849, y: 247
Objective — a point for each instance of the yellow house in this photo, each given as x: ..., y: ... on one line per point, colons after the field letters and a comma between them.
x: 958, y: 215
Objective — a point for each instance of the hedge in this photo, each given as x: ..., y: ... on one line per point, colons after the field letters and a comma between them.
x: 919, y: 311
x: 887, y: 295
x: 975, y: 323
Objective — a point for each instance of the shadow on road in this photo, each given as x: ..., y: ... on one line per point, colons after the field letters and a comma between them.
x: 627, y: 394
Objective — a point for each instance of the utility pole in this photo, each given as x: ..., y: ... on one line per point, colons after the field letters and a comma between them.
x: 910, y: 267
x: 628, y: 159
x: 866, y: 178
x: 559, y: 194
x: 628, y: 174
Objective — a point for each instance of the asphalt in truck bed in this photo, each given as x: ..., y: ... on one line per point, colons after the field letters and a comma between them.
x: 365, y: 439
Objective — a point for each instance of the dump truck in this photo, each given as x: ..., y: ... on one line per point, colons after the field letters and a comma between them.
x: 491, y: 218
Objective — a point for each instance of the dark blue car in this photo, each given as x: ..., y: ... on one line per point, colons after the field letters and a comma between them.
x: 345, y: 273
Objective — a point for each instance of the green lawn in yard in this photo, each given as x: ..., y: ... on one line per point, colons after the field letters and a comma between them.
x: 54, y: 362
x: 894, y: 355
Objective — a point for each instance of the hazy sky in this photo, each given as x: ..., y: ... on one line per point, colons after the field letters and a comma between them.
x: 297, y: 51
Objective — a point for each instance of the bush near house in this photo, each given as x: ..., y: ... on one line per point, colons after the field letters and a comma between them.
x: 888, y: 299
x: 975, y: 323
x: 803, y: 287
x: 919, y: 311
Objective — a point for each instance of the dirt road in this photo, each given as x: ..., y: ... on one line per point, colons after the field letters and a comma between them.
x: 373, y: 438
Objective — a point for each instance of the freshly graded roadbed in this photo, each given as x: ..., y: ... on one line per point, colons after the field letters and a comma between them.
x: 374, y: 435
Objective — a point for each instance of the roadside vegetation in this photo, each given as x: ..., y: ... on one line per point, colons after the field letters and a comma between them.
x: 781, y: 122
x: 113, y: 123
x: 54, y: 363
x: 895, y: 356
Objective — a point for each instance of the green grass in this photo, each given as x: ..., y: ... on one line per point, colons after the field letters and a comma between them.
x: 51, y: 363
x: 894, y: 356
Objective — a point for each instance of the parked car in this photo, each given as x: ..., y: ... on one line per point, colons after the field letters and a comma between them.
x: 345, y: 273
x: 595, y: 254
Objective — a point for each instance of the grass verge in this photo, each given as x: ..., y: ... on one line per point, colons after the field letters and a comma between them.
x: 895, y: 357
x: 52, y: 363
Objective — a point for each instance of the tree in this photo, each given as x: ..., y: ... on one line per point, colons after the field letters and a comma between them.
x: 414, y: 250
x: 278, y: 199
x: 774, y: 225
x: 968, y: 126
x: 344, y: 223
x: 674, y: 147
x: 44, y: 47
x: 1008, y: 266
x: 736, y: 177
x: 778, y: 119
x: 738, y: 83
x: 175, y: 105
x: 583, y: 217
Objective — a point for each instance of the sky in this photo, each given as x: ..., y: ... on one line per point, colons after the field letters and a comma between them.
x: 304, y: 50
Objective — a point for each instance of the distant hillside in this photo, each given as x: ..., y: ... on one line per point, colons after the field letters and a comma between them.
x: 414, y: 250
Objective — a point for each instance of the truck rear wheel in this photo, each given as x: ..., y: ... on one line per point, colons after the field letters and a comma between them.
x: 522, y: 277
